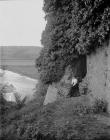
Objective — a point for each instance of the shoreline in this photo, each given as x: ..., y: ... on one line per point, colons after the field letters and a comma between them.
x: 21, y: 75
x: 24, y: 70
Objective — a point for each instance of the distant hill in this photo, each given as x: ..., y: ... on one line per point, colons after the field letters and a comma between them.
x: 20, y: 59
x: 19, y: 52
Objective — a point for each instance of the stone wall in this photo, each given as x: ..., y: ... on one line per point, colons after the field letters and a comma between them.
x: 98, y: 73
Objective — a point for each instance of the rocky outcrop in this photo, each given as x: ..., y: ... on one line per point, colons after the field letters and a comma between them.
x: 64, y: 88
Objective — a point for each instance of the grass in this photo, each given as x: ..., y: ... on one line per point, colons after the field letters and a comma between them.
x: 62, y: 120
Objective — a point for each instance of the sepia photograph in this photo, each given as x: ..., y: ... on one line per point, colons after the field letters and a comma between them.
x: 54, y: 69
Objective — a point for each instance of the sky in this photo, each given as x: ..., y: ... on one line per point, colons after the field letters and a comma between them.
x: 21, y: 22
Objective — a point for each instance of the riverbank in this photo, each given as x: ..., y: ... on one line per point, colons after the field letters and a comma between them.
x: 24, y: 85
x: 27, y: 70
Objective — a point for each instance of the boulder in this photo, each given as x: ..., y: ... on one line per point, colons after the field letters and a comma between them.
x: 51, y: 95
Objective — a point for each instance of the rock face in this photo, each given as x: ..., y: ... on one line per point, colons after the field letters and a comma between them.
x: 97, y: 71
x: 98, y: 67
x: 51, y: 95
x: 63, y: 88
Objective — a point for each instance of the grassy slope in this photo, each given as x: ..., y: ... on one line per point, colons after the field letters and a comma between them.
x: 64, y: 119
x: 21, y: 53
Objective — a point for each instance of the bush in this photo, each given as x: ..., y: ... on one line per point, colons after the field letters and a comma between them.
x: 83, y: 86
x: 41, y: 89
x: 100, y: 105
x: 19, y: 102
x: 5, y: 106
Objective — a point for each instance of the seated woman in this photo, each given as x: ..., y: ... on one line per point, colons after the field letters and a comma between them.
x: 74, y: 92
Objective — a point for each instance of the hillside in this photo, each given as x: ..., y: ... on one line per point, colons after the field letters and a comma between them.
x: 19, y: 52
x: 20, y: 59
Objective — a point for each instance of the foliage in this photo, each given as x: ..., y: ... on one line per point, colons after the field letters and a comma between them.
x: 6, y: 108
x: 74, y: 27
x: 100, y: 105
x: 4, y: 105
x: 83, y: 86
x: 19, y: 102
x: 41, y: 89
x: 63, y: 120
x: 5, y: 88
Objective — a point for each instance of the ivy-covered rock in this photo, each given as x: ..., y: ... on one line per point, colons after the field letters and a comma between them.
x: 74, y: 28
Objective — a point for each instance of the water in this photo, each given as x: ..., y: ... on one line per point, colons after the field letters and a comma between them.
x: 23, y: 85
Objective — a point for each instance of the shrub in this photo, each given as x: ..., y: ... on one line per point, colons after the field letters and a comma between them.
x: 83, y: 86
x: 100, y: 105
x: 41, y: 89
x: 19, y: 102
x: 5, y: 106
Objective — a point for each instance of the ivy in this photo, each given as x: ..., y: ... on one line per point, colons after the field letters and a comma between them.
x: 74, y: 27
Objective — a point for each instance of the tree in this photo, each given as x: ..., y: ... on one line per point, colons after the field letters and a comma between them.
x: 74, y: 28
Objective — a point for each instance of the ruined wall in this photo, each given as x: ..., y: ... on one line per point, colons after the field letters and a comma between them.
x: 98, y: 72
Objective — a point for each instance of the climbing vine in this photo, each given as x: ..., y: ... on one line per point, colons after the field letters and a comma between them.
x: 74, y: 27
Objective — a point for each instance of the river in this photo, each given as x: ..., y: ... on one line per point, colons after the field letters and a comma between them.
x: 24, y: 85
